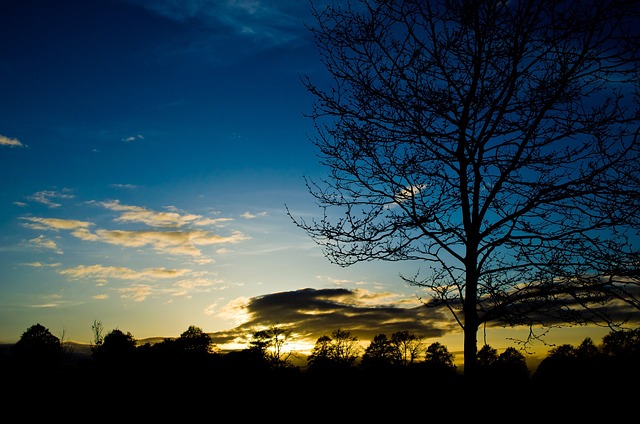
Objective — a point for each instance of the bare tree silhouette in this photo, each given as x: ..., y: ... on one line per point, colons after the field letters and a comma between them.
x: 495, y: 142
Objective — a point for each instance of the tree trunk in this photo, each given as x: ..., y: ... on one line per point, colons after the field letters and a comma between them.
x: 470, y: 348
x: 471, y: 320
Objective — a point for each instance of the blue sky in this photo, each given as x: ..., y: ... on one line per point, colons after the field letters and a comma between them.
x: 148, y: 149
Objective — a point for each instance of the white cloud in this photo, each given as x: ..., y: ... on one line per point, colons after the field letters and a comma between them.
x: 249, y: 215
x: 235, y: 310
x: 133, y: 138
x: 408, y: 193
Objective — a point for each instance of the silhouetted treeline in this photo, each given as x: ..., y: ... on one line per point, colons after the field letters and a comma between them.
x: 391, y: 369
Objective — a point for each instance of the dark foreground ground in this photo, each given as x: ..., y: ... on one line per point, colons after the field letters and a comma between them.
x: 299, y: 397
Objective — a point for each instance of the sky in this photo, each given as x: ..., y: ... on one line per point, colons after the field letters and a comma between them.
x: 148, y: 152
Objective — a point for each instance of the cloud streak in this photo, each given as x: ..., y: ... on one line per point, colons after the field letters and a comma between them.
x: 101, y: 272
x: 185, y: 243
x: 156, y: 218
x: 55, y: 224
x: 249, y: 215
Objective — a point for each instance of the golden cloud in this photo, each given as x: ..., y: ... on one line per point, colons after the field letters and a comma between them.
x: 55, y: 223
x: 121, y: 273
x: 153, y: 218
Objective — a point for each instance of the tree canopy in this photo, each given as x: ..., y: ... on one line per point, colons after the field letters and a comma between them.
x: 195, y: 341
x: 38, y: 349
x: 116, y: 348
x: 338, y: 352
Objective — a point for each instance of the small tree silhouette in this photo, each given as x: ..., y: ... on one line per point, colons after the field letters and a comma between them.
x: 38, y: 351
x: 381, y: 354
x: 439, y: 362
x: 195, y: 341
x: 116, y: 352
x: 270, y: 344
x: 336, y: 353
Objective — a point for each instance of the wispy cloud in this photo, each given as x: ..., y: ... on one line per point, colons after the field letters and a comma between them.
x: 158, y: 218
x: 36, y: 223
x: 45, y: 243
x: 40, y: 264
x: 249, y: 215
x: 51, y: 301
x: 187, y: 286
x: 170, y: 242
x: 136, y: 292
x: 46, y: 305
x: 11, y: 142
x: 142, y: 283
x: 178, y: 241
x: 100, y: 272
x: 125, y: 186
x: 133, y: 138
x: 46, y: 197
x: 271, y: 22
